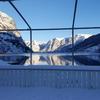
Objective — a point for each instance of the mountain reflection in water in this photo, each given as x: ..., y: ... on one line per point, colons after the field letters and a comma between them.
x: 52, y: 59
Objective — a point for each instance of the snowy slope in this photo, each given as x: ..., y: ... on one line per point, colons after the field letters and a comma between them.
x: 91, y: 44
x: 48, y: 94
x: 9, y: 43
x: 77, y: 39
x: 56, y: 43
x: 81, y: 37
x: 3, y: 63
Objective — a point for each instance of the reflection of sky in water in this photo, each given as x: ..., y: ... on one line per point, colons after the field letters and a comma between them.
x: 52, y: 59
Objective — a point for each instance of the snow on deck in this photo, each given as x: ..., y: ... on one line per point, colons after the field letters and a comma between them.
x: 50, y: 67
x: 48, y: 94
x: 49, y: 83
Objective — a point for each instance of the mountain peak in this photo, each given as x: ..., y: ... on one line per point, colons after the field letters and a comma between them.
x: 7, y: 22
x: 59, y: 39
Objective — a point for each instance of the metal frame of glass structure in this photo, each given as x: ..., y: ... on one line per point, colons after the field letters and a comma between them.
x: 30, y: 29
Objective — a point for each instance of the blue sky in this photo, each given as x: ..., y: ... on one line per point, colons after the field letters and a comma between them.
x: 53, y: 14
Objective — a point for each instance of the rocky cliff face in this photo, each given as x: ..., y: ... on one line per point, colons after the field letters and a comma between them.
x: 10, y: 42
x: 77, y: 40
x: 35, y: 45
x: 58, y: 43
x: 90, y: 44
x: 6, y: 22
x: 52, y: 45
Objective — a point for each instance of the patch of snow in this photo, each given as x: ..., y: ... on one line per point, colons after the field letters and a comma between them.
x: 59, y: 39
x: 85, y: 35
x: 3, y: 63
x: 80, y: 37
x: 48, y: 94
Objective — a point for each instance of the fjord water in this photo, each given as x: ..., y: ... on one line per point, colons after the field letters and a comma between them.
x: 60, y: 59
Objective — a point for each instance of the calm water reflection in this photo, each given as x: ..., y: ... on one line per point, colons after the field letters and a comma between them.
x: 52, y: 59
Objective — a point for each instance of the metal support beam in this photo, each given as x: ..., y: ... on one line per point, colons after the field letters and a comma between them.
x: 51, y: 29
x: 10, y: 2
x: 73, y: 25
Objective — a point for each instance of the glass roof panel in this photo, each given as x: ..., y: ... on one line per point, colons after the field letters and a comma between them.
x: 47, y: 13
x: 88, y: 13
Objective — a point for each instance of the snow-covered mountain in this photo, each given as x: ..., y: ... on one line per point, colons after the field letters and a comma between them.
x: 37, y: 46
x: 77, y: 39
x: 10, y: 42
x: 58, y: 43
x: 91, y: 44
x: 7, y: 22
x: 82, y: 42
x: 52, y: 44
x: 80, y: 37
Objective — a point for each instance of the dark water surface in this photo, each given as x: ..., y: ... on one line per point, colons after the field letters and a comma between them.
x: 52, y: 59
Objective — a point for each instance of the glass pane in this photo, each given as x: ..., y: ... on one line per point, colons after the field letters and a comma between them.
x: 88, y: 13
x: 47, y: 13
x: 6, y: 8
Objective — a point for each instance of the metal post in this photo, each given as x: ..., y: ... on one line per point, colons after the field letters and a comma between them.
x: 30, y: 29
x: 73, y: 26
x: 31, y: 46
